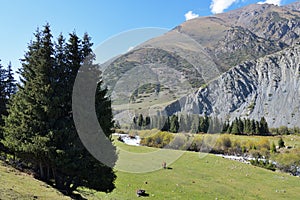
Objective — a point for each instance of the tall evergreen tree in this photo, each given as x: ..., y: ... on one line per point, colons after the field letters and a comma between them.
x: 235, y: 127
x: 263, y: 127
x: 240, y: 126
x: 3, y: 101
x: 247, y: 125
x: 166, y: 123
x: 147, y: 122
x: 73, y: 156
x: 203, y: 124
x: 257, y: 128
x: 225, y: 127
x: 11, y: 87
x: 35, y: 102
x: 252, y: 127
x: 174, y: 124
x: 7, y: 89
x: 140, y: 121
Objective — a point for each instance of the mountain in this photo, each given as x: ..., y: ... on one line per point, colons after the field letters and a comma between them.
x: 240, y: 63
x: 269, y: 87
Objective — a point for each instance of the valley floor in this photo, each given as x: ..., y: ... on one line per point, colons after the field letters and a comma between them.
x: 204, y: 176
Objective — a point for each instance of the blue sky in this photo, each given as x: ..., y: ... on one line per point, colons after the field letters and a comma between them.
x: 100, y: 18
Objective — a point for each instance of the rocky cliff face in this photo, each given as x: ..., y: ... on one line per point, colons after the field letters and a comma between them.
x: 269, y: 87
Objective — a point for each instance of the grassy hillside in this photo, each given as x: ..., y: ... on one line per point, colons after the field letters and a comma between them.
x: 210, y: 177
x: 18, y: 185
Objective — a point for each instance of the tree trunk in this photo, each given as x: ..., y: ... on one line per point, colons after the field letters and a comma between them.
x: 48, y: 173
x: 53, y: 174
x: 58, y: 179
x: 42, y: 174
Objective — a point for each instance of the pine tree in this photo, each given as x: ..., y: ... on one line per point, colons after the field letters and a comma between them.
x: 147, y: 122
x: 240, y: 126
x: 7, y: 89
x: 281, y: 143
x: 203, y: 124
x: 166, y: 123
x: 33, y: 104
x: 174, y: 124
x: 263, y: 127
x: 252, y: 127
x: 11, y: 87
x: 134, y: 120
x: 3, y: 101
x: 140, y: 121
x: 257, y: 128
x: 235, y: 127
x: 225, y: 127
x: 73, y: 157
x: 273, y: 148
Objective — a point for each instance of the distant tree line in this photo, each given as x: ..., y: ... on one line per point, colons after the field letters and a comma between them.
x: 175, y: 123
x: 284, y: 130
x: 185, y: 123
x: 38, y: 127
x: 246, y: 127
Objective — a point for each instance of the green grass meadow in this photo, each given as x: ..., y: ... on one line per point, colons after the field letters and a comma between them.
x: 204, y: 176
x: 190, y: 176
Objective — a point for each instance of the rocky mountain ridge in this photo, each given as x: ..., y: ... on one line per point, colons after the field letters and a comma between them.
x: 242, y: 63
x: 268, y: 87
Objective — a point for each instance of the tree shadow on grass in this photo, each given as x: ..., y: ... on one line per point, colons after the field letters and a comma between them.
x: 77, y: 197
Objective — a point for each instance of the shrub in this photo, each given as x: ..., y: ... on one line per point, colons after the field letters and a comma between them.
x: 223, y: 144
x: 196, y: 144
x: 263, y: 144
x: 158, y: 140
x: 264, y: 164
x: 281, y: 143
x: 288, y: 161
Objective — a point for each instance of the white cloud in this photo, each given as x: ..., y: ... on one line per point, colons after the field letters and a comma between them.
x: 190, y: 15
x: 275, y: 2
x: 218, y: 6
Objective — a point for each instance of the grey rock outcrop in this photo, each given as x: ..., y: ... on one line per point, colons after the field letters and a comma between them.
x: 268, y: 87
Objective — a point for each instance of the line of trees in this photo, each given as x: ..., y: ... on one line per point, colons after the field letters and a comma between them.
x: 39, y: 128
x: 174, y: 123
x: 185, y: 123
x: 284, y: 130
x: 246, y: 127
